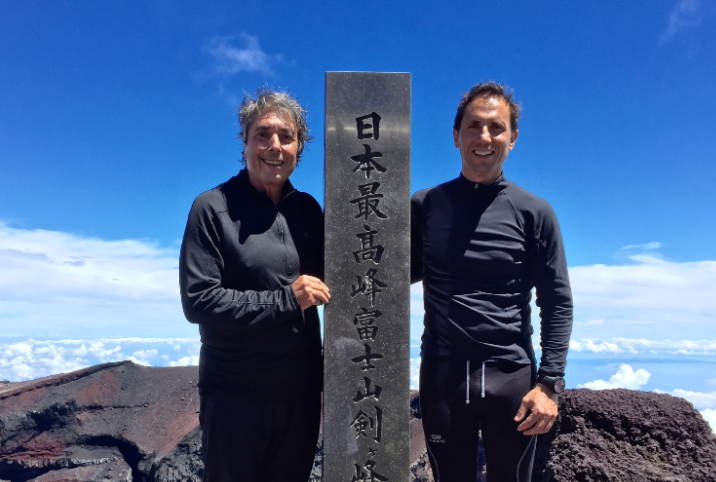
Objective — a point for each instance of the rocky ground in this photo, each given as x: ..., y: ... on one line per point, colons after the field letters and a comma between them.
x: 625, y: 435
x: 117, y: 421
x: 125, y: 422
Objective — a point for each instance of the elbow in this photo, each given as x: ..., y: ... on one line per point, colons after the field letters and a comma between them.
x: 192, y: 312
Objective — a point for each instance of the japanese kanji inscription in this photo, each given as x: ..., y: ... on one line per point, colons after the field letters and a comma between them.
x: 366, y: 390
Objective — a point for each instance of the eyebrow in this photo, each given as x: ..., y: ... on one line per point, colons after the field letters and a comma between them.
x: 283, y: 130
x: 491, y: 122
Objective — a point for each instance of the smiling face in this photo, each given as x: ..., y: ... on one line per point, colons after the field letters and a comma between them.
x: 485, y: 139
x: 270, y: 152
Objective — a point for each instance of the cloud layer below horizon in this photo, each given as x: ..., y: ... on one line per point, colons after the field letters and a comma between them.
x: 90, y: 301
x: 57, y: 284
x: 30, y: 359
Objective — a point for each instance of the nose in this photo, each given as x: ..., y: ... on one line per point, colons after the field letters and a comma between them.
x: 274, y: 144
x: 485, y: 134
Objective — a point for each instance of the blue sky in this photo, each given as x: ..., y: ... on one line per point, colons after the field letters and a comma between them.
x: 115, y: 115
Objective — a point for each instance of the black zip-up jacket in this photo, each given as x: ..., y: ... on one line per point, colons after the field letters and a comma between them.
x: 479, y: 250
x: 239, y: 256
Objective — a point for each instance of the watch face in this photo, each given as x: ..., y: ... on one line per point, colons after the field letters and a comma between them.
x: 559, y: 385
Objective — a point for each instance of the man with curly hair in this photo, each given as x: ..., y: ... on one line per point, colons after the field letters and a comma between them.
x: 250, y: 274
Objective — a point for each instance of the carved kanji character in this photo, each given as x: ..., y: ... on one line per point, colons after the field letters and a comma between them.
x: 368, y: 393
x: 368, y: 201
x: 364, y: 129
x: 369, y: 250
x: 367, y: 358
x: 368, y: 285
x: 367, y: 161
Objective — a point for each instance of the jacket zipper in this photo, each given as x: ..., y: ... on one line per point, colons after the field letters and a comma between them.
x: 467, y: 384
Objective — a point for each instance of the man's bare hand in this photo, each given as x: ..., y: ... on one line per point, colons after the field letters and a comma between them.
x: 310, y: 291
x: 541, y: 405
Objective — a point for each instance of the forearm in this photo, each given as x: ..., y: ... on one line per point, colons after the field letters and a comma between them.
x: 555, y: 331
x: 205, y: 297
x: 236, y: 309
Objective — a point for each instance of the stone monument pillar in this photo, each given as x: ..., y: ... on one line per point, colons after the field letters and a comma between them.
x: 367, y: 329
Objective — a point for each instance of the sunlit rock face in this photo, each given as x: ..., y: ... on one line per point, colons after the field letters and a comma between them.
x: 126, y: 422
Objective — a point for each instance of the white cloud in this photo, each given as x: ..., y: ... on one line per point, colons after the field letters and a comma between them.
x: 414, y: 373
x: 645, y: 247
x: 683, y: 16
x: 652, y: 294
x: 590, y: 346
x: 58, y: 284
x: 61, y: 284
x: 41, y: 264
x: 416, y: 311
x: 594, y: 322
x: 143, y: 357
x: 416, y: 300
x: 626, y: 377
x: 231, y: 59
x: 185, y: 361
x: 700, y: 400
x: 641, y: 345
x: 710, y: 416
x: 29, y: 359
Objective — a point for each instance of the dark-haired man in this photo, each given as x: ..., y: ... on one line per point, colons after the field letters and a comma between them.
x: 480, y: 244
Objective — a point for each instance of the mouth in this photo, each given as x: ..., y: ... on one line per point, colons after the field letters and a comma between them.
x: 272, y: 162
x: 482, y: 153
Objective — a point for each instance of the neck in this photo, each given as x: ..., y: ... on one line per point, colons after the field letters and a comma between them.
x: 273, y: 191
x: 487, y: 178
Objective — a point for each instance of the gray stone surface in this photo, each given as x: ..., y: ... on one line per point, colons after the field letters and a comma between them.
x: 366, y: 405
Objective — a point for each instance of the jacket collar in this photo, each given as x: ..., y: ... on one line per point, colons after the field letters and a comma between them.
x: 468, y: 186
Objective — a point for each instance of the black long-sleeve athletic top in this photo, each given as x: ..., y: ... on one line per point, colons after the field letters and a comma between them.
x: 479, y: 250
x: 239, y: 256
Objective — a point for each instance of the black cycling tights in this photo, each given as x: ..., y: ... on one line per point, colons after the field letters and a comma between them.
x: 457, y: 400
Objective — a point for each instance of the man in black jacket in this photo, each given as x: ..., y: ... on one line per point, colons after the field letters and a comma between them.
x: 480, y: 244
x: 250, y: 274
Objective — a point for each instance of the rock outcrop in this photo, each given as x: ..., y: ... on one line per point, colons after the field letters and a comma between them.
x: 125, y: 422
x: 614, y: 436
x: 118, y: 421
x: 626, y: 435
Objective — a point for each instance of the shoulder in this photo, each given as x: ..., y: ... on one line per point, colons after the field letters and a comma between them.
x: 305, y: 201
x: 215, y: 199
x: 538, y: 215
x: 435, y: 194
x: 526, y: 202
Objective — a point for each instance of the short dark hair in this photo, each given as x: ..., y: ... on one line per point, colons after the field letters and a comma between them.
x: 268, y: 100
x: 488, y: 89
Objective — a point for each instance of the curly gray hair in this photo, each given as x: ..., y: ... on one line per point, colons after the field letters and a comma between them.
x: 268, y: 100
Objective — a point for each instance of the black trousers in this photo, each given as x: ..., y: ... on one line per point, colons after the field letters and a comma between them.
x: 259, y: 439
x: 457, y: 401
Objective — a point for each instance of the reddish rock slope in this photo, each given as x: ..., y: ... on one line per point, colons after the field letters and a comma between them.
x: 125, y: 422
x: 117, y: 421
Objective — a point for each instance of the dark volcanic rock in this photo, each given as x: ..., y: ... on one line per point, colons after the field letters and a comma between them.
x: 117, y: 421
x: 125, y: 422
x: 625, y: 435
x: 613, y: 436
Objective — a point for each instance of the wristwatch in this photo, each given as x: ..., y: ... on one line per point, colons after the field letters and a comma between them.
x: 556, y: 384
